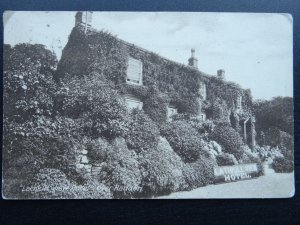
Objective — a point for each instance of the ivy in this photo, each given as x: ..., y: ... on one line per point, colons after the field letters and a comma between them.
x: 106, y: 56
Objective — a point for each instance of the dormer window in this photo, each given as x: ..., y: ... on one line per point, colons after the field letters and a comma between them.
x: 134, y: 71
x: 171, y: 111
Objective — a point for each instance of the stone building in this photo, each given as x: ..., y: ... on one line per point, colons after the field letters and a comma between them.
x: 151, y: 82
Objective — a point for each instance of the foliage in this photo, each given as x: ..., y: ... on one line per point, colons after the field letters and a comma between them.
x: 280, y: 139
x: 36, y: 144
x: 184, y: 139
x: 28, y: 84
x: 266, y: 152
x: 199, y: 173
x: 97, y: 52
x: 156, y: 107
x: 101, y: 109
x: 104, y: 54
x: 52, y: 183
x: 277, y: 112
x: 121, y: 172
x: 98, y: 149
x: 228, y: 138
x: 249, y: 157
x: 161, y: 169
x: 283, y: 165
x: 33, y: 139
x: 287, y: 145
x: 226, y: 159
x: 203, y: 127
x: 142, y: 132
x: 218, y: 110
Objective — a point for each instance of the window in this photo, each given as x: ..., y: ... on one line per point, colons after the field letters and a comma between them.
x: 239, y: 103
x: 202, y: 90
x: 134, y: 103
x: 202, y: 117
x: 171, y: 111
x: 134, y: 71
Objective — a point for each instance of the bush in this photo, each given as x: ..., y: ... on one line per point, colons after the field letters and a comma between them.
x: 121, y: 172
x: 48, y: 183
x: 92, y: 189
x: 28, y: 83
x: 199, y: 173
x: 249, y: 157
x: 287, y: 145
x: 229, y: 139
x: 226, y: 159
x: 161, y: 169
x: 35, y: 144
x: 282, y: 165
x: 184, y: 139
x: 203, y: 127
x: 98, y: 150
x: 142, y: 132
x: 102, y: 110
x: 156, y: 107
x: 52, y: 183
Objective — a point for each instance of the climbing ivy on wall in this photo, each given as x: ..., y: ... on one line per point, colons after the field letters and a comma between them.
x: 106, y: 56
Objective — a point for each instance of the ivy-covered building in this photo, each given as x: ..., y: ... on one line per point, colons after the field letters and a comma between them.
x: 159, y: 86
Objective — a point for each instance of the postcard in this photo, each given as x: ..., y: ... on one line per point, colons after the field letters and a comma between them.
x: 138, y: 105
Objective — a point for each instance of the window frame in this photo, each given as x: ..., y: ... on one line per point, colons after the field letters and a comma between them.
x: 172, y: 114
x: 140, y: 69
x: 135, y: 100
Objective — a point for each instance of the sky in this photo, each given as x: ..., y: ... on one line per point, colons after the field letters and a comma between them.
x: 255, y: 50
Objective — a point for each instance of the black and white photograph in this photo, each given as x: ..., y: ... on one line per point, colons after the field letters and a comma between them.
x: 147, y: 105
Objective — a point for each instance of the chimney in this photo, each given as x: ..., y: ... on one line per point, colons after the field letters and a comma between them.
x: 221, y: 74
x: 84, y: 19
x: 193, y: 61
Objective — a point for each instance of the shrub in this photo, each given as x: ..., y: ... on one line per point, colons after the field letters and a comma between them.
x: 184, y: 139
x: 203, y: 127
x: 161, y: 169
x: 229, y: 139
x: 48, y: 183
x: 282, y: 165
x: 91, y: 189
x: 226, y: 159
x: 52, y: 183
x: 142, y: 132
x: 199, y: 173
x: 102, y: 110
x: 287, y: 145
x: 156, y: 107
x: 35, y: 144
x: 28, y: 83
x: 98, y: 150
x: 249, y: 157
x: 121, y: 172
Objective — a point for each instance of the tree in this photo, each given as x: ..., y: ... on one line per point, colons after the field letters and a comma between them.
x: 28, y: 110
x: 277, y: 112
